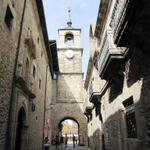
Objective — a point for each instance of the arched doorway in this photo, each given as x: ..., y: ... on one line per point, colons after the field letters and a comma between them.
x: 20, y: 129
x: 69, y: 127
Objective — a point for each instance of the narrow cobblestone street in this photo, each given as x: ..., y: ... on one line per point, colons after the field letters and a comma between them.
x: 70, y: 147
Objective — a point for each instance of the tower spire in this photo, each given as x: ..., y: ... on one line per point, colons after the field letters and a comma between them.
x: 69, y: 22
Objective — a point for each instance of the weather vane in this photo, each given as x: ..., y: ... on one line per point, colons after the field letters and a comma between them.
x: 69, y: 22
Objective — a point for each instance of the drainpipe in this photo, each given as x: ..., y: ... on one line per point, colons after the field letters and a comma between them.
x: 9, y: 130
x: 44, y: 105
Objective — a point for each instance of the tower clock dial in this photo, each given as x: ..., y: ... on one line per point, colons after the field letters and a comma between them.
x: 69, y: 54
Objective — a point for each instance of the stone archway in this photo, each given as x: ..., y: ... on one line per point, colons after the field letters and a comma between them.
x: 21, y: 130
x: 63, y: 111
x: 69, y: 126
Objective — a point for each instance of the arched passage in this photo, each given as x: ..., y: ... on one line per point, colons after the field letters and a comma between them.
x: 69, y: 127
x: 65, y: 111
x: 20, y: 131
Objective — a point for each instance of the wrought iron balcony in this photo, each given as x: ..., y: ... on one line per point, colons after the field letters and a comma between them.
x: 111, y: 58
x: 32, y: 49
x: 22, y: 84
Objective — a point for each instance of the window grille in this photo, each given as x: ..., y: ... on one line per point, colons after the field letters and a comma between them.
x: 130, y: 118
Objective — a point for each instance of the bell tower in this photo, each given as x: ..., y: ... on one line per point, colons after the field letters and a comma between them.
x: 69, y: 85
x: 69, y: 49
x: 70, y: 64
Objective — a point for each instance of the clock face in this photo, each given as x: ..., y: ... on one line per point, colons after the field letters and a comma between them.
x: 69, y: 54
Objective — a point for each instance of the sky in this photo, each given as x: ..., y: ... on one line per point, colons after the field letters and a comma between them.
x: 83, y: 13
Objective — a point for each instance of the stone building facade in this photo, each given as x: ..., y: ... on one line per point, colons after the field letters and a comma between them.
x: 68, y: 102
x: 92, y: 86
x: 27, y: 68
x: 118, y: 118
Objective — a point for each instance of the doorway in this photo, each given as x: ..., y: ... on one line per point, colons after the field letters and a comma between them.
x: 20, y: 127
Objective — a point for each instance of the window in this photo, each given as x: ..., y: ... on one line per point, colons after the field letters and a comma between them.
x: 40, y: 83
x: 69, y: 39
x: 27, y: 70
x: 8, y: 17
x: 34, y: 71
x: 38, y: 40
x: 128, y: 102
x: 130, y: 118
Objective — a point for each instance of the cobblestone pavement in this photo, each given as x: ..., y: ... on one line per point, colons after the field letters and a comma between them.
x: 70, y: 147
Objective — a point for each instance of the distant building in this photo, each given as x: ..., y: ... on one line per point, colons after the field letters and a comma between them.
x: 117, y: 81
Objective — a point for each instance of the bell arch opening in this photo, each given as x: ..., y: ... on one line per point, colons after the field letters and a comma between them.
x: 69, y: 38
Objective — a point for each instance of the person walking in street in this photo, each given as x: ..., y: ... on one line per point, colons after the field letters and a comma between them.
x: 46, y: 144
x: 74, y: 139
x: 61, y: 142
x: 57, y: 142
x: 53, y: 142
x: 66, y: 140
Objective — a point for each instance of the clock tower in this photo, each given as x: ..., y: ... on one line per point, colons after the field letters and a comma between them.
x: 69, y: 49
x: 70, y: 64
x: 69, y: 84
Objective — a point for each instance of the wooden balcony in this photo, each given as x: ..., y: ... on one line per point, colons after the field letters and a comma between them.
x: 111, y: 58
x: 21, y: 83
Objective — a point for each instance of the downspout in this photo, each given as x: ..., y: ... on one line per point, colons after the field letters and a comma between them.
x: 9, y: 130
x: 44, y: 106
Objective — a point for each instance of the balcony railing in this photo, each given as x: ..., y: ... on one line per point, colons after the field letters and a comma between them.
x: 110, y: 57
x: 118, y: 15
x: 22, y: 84
x: 31, y: 45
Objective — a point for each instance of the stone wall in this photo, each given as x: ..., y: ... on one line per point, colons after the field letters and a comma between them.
x: 36, y: 81
x: 8, y: 44
x: 116, y: 130
x: 41, y: 83
x: 69, y: 88
x: 70, y: 65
